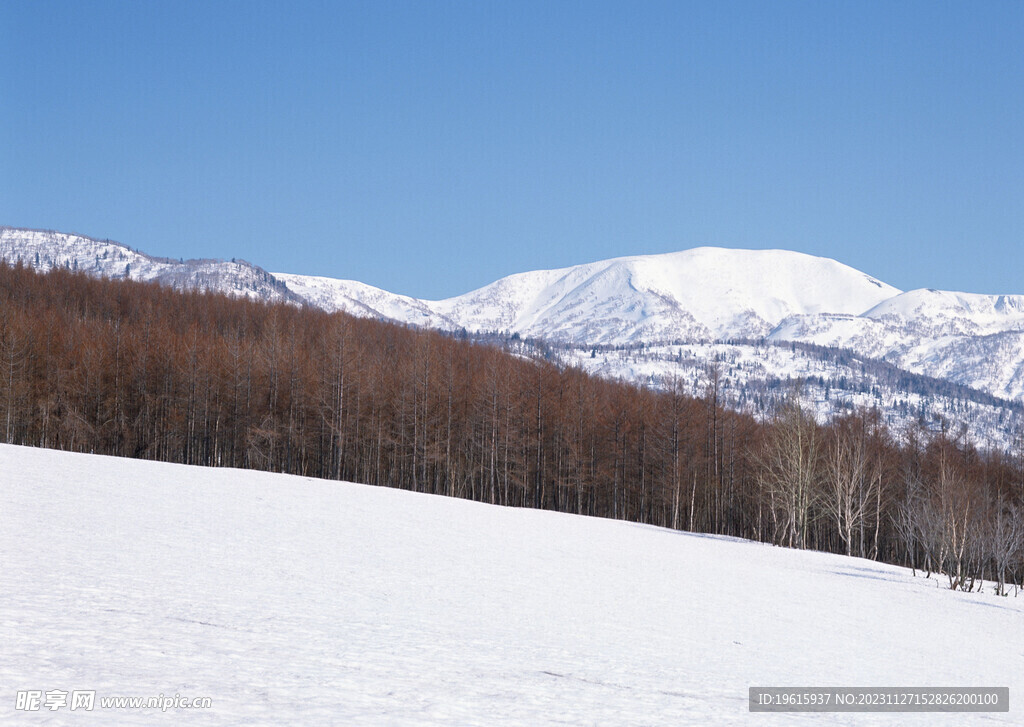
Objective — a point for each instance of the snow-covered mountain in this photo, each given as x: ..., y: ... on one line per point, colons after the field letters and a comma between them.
x: 704, y: 293
x: 632, y: 317
x: 287, y: 600
x: 46, y: 249
x: 971, y: 339
x: 366, y: 301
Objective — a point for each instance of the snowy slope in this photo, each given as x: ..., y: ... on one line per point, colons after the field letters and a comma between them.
x: 705, y: 292
x: 757, y: 377
x: 365, y: 301
x: 700, y: 293
x: 944, y: 313
x: 45, y: 250
x: 967, y: 338
x: 292, y: 601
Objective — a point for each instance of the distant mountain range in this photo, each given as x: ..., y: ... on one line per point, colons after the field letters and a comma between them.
x: 759, y: 317
x: 706, y: 293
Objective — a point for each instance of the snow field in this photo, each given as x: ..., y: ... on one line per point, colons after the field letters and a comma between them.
x: 295, y: 601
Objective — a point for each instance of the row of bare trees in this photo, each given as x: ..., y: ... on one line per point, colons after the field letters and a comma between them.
x: 834, y: 475
x: 136, y: 370
x: 955, y: 525
x: 936, y: 505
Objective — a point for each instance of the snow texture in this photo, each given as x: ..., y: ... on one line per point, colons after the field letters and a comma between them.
x: 294, y: 601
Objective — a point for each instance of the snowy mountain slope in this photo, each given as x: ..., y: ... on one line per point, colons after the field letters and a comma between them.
x: 970, y: 339
x: 45, y: 250
x: 725, y: 293
x: 993, y: 362
x: 757, y: 377
x: 287, y: 600
x: 700, y: 293
x: 366, y: 301
x: 942, y: 313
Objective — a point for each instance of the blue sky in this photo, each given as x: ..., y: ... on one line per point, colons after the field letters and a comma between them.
x: 432, y: 147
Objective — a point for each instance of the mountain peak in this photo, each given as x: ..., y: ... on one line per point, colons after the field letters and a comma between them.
x: 704, y: 292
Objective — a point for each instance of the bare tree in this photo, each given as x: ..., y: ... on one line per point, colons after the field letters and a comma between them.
x: 1006, y: 540
x: 13, y: 357
x: 790, y: 473
x: 957, y: 511
x: 852, y: 480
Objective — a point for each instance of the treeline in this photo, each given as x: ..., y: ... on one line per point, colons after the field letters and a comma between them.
x: 138, y: 370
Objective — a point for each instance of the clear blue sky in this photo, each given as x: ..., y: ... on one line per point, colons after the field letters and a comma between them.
x: 431, y: 147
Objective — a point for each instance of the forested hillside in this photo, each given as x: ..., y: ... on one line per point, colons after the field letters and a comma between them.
x: 766, y: 319
x: 134, y: 369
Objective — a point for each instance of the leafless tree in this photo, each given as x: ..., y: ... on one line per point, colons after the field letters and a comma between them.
x: 790, y: 473
x: 852, y: 480
x: 1006, y: 540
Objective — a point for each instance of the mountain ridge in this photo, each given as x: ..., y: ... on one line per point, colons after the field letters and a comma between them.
x: 47, y: 249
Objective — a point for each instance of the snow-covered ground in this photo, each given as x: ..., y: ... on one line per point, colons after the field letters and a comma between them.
x: 294, y: 601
